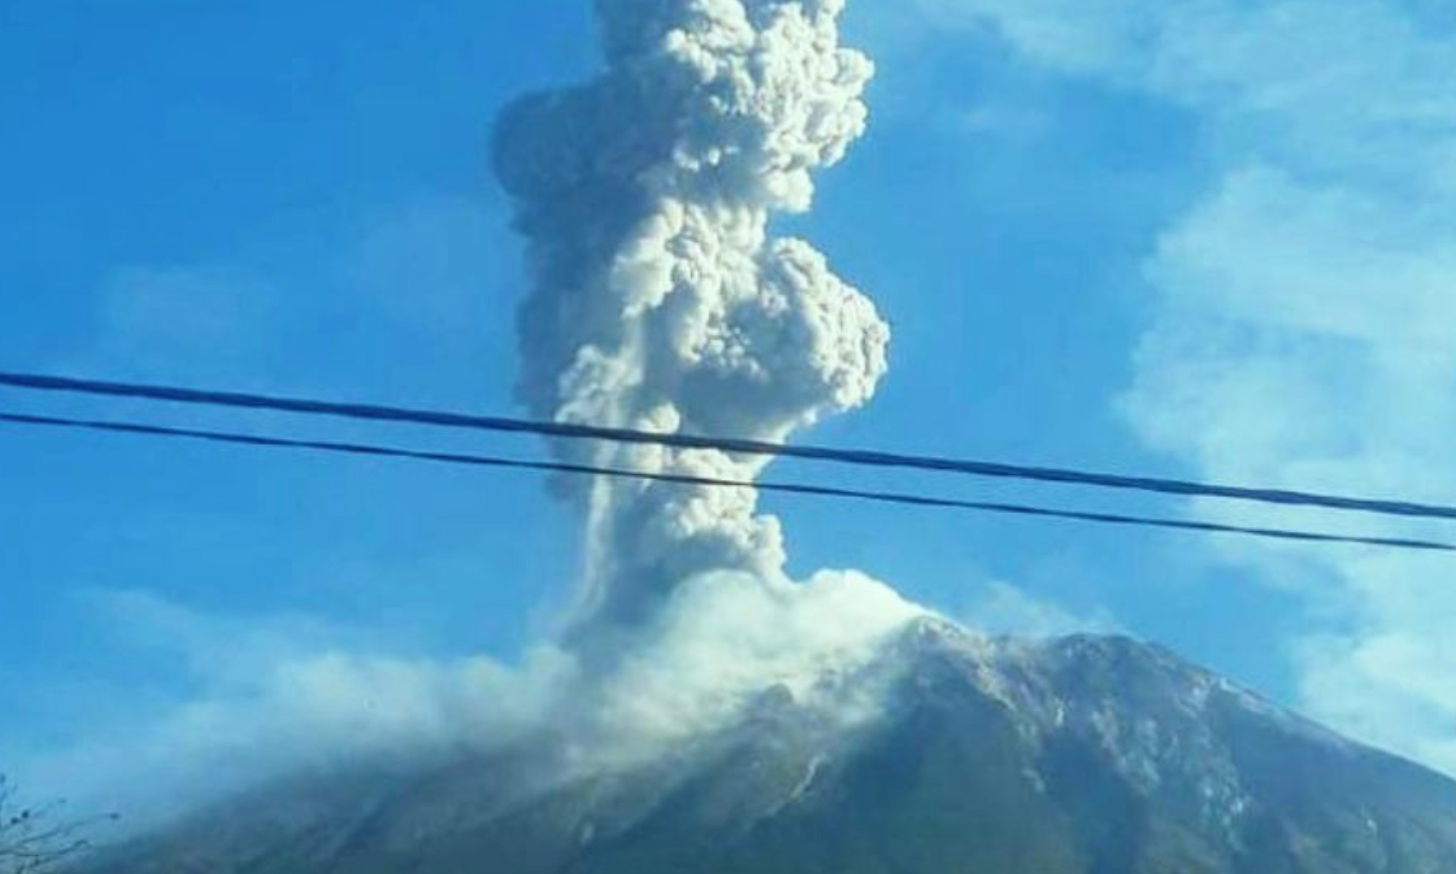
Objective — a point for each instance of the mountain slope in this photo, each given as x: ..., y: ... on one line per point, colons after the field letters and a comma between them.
x: 1080, y: 756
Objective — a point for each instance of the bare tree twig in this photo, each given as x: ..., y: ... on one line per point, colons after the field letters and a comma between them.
x: 34, y: 840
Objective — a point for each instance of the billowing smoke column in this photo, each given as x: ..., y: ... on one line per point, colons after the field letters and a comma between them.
x: 659, y: 299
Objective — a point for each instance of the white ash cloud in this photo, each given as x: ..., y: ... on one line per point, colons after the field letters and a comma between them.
x: 722, y: 639
x: 280, y: 695
x: 660, y: 299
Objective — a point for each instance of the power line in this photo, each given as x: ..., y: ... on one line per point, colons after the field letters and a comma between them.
x: 486, y: 461
x: 862, y: 457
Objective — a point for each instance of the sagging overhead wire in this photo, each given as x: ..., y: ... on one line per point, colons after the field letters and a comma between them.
x: 486, y: 461
x: 862, y: 457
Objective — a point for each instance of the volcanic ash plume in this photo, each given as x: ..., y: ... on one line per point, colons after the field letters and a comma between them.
x: 659, y: 300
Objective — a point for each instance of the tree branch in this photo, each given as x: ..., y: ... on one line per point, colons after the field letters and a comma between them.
x: 34, y: 840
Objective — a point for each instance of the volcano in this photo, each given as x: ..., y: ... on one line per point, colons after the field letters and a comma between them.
x: 1080, y: 755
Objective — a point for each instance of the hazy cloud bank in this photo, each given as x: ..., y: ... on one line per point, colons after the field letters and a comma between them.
x: 1304, y: 327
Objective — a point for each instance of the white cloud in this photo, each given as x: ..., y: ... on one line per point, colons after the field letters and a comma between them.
x: 268, y: 696
x: 202, y: 320
x: 414, y: 282
x: 1304, y: 329
x: 1090, y: 36
x: 1003, y: 120
x: 427, y: 264
x: 1006, y: 609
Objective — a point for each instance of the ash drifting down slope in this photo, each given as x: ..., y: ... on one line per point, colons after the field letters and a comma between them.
x: 988, y: 756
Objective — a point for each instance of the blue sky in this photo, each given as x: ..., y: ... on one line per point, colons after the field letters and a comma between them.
x: 1158, y: 248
